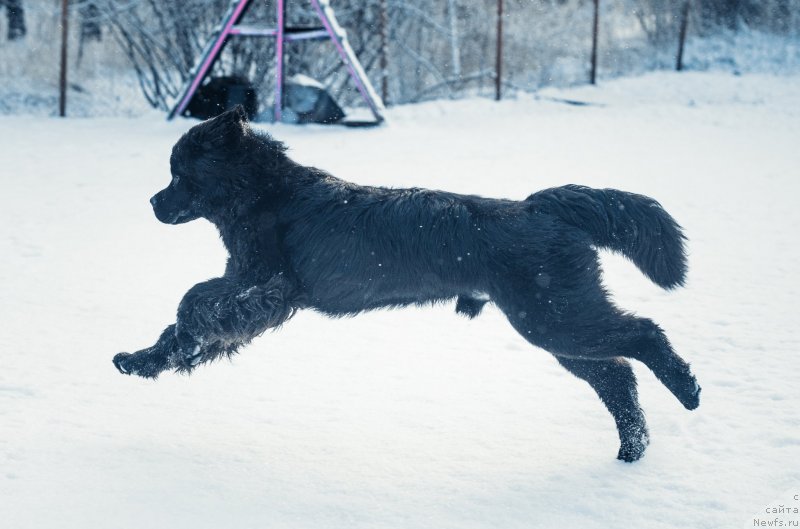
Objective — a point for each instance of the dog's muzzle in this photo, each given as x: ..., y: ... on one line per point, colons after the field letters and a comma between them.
x: 168, y: 212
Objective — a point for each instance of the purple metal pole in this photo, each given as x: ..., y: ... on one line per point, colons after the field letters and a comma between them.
x: 208, y: 58
x: 368, y: 94
x: 279, y: 61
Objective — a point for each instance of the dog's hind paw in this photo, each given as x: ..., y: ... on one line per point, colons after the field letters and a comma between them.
x: 630, y: 453
x: 692, y: 400
x: 633, y: 449
x: 686, y: 389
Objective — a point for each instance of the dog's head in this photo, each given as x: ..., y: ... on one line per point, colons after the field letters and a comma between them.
x: 216, y: 167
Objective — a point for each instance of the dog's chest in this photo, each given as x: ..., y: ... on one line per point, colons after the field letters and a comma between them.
x: 255, y: 249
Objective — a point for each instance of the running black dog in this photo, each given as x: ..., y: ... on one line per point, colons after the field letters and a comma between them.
x: 300, y: 238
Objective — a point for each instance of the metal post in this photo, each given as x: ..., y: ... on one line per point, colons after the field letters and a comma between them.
x: 385, y: 51
x: 62, y: 78
x: 455, y: 52
x: 281, y: 27
x: 682, y: 36
x: 498, y: 60
x: 595, y: 28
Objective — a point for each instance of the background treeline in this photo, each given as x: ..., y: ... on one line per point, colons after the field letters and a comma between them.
x: 434, y: 48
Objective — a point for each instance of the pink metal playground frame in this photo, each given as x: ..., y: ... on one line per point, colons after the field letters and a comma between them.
x: 330, y: 30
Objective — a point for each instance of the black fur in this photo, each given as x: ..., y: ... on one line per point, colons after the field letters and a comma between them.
x: 300, y: 238
x: 469, y: 306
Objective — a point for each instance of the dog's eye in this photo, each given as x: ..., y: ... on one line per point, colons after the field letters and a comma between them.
x: 175, y: 179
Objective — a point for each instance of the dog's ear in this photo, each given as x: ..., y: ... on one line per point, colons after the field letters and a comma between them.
x: 239, y: 113
x: 236, y: 115
x: 224, y: 130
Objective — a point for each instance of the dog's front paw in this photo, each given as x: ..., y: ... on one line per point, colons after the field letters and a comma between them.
x: 186, y: 359
x: 143, y: 364
x: 121, y: 363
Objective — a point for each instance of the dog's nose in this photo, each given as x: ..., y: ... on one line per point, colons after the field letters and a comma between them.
x: 153, y: 200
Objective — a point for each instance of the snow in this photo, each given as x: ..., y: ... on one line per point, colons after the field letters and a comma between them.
x: 416, y: 418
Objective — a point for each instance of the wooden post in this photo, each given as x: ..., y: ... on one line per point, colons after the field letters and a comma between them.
x: 595, y: 27
x: 455, y: 53
x: 62, y: 78
x: 385, y: 52
x: 682, y: 35
x: 498, y: 61
x: 279, y: 73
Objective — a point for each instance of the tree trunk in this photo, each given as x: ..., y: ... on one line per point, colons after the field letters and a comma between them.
x: 16, y: 19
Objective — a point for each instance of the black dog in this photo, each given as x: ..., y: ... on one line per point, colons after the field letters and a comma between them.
x: 300, y: 238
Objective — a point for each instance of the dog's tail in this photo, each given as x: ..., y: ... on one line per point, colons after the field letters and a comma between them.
x: 634, y: 225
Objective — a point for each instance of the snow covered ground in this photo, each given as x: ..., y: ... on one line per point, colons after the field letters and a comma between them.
x: 415, y: 418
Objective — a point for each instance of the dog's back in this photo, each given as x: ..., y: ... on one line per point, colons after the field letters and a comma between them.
x: 356, y: 248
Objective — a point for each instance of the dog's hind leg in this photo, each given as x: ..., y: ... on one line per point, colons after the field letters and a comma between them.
x: 645, y: 341
x: 218, y: 316
x: 614, y: 382
x: 618, y: 334
x: 583, y: 329
x: 586, y: 326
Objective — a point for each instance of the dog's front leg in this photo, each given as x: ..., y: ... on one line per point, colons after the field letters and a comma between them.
x: 218, y: 316
x: 150, y: 362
